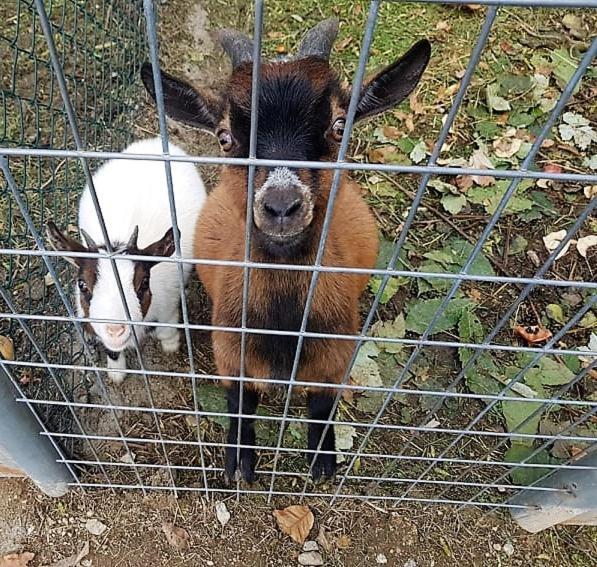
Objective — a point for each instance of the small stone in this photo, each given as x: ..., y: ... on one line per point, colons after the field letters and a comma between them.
x: 508, y: 549
x: 95, y: 527
x: 312, y: 558
x: 310, y: 546
x: 222, y: 513
x: 497, y: 547
x: 410, y: 563
x: 381, y: 559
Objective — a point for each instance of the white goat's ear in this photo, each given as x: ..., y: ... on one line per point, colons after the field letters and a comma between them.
x: 182, y: 101
x: 394, y: 83
x: 60, y: 242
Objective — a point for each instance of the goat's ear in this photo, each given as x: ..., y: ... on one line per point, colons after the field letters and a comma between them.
x: 182, y: 101
x: 162, y: 247
x: 60, y: 242
x: 395, y: 82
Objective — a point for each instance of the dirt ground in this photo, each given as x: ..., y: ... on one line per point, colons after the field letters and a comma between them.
x: 348, y: 534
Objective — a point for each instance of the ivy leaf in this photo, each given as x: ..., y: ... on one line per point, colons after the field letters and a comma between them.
x: 395, y: 329
x: 420, y: 315
x: 515, y: 413
x: 526, y: 475
x: 453, y: 203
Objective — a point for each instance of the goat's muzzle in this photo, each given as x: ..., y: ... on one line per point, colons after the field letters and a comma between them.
x: 283, y: 206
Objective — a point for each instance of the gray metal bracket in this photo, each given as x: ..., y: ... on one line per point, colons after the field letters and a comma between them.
x: 22, y: 447
x: 576, y: 504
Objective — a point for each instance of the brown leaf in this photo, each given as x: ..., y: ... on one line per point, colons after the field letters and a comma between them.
x: 323, y: 540
x: 415, y: 105
x: 343, y: 542
x: 381, y: 154
x: 391, y: 132
x: 443, y: 25
x: 464, y: 182
x: 16, y: 559
x: 533, y: 334
x: 280, y: 48
x: 552, y: 168
x: 295, y: 521
x: 507, y: 48
x: 342, y: 45
x: 479, y: 160
x: 7, y: 349
x: 176, y: 537
x: 473, y: 7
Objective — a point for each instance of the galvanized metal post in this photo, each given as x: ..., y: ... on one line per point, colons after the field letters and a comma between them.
x: 22, y: 448
x: 575, y: 503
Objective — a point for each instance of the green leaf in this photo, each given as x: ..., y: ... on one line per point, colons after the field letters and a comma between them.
x: 550, y: 373
x: 518, y: 245
x: 470, y: 327
x: 521, y: 119
x: 213, y: 399
x: 420, y: 315
x: 516, y: 413
x: 572, y: 363
x: 389, y: 291
x: 438, y: 284
x: 370, y: 402
x: 513, y: 85
x: 564, y: 67
x: 517, y: 453
x: 494, y: 101
x: 588, y: 321
x: 442, y: 186
x: 462, y: 250
x: 395, y: 329
x: 453, y: 203
x: 487, y: 129
x: 490, y: 197
x: 555, y: 312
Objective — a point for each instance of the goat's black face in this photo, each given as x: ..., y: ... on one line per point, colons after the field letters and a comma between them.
x: 301, y: 116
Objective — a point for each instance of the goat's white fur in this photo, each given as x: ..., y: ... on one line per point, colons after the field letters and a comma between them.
x: 135, y: 193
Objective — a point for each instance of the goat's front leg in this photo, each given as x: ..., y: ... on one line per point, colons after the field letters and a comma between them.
x: 247, y: 433
x: 320, y: 405
x: 116, y: 366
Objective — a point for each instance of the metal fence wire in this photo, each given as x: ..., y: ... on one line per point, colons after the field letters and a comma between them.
x: 453, y: 416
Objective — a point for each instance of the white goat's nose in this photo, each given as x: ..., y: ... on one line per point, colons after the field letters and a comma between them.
x: 115, y: 331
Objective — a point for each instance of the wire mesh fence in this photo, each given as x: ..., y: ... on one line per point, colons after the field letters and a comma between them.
x: 447, y: 406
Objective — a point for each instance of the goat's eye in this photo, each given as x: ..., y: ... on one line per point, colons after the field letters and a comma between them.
x: 82, y: 286
x: 225, y: 139
x: 338, y: 129
x: 145, y: 283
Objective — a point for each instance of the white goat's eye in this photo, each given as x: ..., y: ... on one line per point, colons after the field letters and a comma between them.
x: 82, y: 286
x: 225, y: 139
x: 338, y: 129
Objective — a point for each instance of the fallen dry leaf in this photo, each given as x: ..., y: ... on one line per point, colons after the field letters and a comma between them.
x: 480, y: 160
x: 549, y: 168
x: 443, y: 25
x: 506, y: 147
x: 222, y: 513
x: 7, y: 349
x: 295, y: 521
x: 176, y: 537
x: 473, y: 7
x: 391, y: 132
x: 585, y: 243
x: 533, y: 334
x: 415, y: 105
x: 343, y: 542
x: 323, y: 540
x: 553, y: 239
x: 342, y: 45
x: 281, y: 49
x: 16, y: 559
x: 49, y: 280
x: 73, y: 560
x: 464, y: 182
x: 380, y: 155
x: 590, y: 191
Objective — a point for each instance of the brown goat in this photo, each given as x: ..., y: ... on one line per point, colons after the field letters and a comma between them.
x: 302, y: 112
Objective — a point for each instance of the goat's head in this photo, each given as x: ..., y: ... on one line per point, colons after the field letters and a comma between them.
x: 302, y: 113
x: 97, y: 289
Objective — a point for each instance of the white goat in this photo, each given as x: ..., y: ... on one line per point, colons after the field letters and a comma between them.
x: 133, y: 198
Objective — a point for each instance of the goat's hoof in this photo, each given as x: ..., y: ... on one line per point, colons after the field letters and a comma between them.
x: 116, y: 377
x: 171, y: 344
x: 324, y: 468
x: 246, y: 470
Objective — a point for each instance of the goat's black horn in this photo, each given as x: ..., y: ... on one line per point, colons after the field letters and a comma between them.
x: 90, y: 242
x: 132, y: 244
x: 237, y: 45
x: 318, y: 41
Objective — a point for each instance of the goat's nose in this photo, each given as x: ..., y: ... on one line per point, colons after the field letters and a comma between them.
x: 116, y: 331
x: 282, y: 208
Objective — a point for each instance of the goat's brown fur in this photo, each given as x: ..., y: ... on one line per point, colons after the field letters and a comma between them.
x: 352, y: 242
